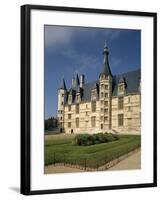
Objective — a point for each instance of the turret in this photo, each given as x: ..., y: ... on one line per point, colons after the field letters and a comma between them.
x: 62, y: 95
x: 105, y: 92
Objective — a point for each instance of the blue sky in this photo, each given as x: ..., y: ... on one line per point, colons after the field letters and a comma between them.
x: 71, y: 50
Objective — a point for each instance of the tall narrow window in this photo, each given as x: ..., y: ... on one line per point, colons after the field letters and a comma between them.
x: 70, y: 99
x: 77, y: 108
x: 121, y: 88
x: 120, y: 103
x: 69, y: 124
x: 93, y: 106
x: 102, y: 86
x: 106, y: 103
x: 69, y: 108
x: 93, y: 122
x: 128, y: 99
x: 120, y: 119
x: 77, y: 122
x: 106, y: 111
x: 69, y: 116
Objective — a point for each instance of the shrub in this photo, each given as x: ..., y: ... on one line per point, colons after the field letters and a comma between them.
x: 86, y: 139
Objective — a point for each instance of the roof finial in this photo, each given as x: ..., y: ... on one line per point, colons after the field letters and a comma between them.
x: 105, y: 46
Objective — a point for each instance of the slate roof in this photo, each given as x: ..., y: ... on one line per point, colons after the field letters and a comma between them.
x: 63, y: 85
x: 106, y: 67
x: 131, y: 79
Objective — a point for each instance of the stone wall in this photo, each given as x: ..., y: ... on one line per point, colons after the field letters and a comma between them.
x: 131, y: 112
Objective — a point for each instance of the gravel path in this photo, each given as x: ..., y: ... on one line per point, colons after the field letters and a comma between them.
x: 132, y: 162
x: 60, y: 169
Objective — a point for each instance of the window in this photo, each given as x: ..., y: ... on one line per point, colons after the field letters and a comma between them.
x: 106, y: 119
x: 93, y: 106
x: 106, y: 87
x: 69, y: 116
x: 77, y: 108
x: 106, y: 111
x: 106, y: 103
x: 86, y: 113
x: 102, y: 103
x: 102, y: 86
x: 120, y: 103
x: 120, y: 119
x: 121, y: 89
x: 69, y: 124
x: 62, y: 95
x: 102, y: 95
x: 86, y: 106
x: 102, y: 110
x: 101, y: 118
x: 128, y: 99
x: 101, y: 126
x: 93, y: 122
x: 62, y: 103
x: 77, y: 122
x: 106, y: 95
x: 78, y: 98
x: 70, y: 99
x: 69, y: 108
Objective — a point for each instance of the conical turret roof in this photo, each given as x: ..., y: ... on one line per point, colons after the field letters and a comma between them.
x: 106, y: 67
x: 63, y: 85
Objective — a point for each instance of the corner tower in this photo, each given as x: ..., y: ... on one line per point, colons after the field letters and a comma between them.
x: 62, y: 94
x: 105, y: 80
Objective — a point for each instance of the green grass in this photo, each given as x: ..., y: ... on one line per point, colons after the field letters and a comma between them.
x: 60, y: 148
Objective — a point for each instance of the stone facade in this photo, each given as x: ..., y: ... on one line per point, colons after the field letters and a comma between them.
x: 110, y: 104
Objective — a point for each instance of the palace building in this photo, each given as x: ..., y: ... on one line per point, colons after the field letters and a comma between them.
x: 110, y: 104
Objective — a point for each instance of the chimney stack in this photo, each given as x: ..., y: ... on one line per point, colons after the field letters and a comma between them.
x: 82, y: 80
x: 73, y: 82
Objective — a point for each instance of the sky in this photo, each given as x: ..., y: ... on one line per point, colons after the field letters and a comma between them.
x: 70, y: 50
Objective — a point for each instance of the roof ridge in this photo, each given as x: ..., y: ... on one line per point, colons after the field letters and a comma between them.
x: 127, y: 72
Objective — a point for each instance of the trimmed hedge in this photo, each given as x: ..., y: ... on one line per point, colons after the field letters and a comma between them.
x: 87, y: 139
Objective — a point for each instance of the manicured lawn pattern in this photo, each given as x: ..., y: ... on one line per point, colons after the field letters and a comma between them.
x: 60, y: 149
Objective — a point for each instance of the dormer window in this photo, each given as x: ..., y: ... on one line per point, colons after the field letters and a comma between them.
x: 78, y: 98
x: 121, y: 89
x: 121, y: 86
x: 70, y: 99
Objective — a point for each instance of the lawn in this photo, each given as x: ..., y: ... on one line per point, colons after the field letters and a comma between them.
x: 60, y: 148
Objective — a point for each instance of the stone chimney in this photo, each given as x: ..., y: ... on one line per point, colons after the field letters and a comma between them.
x: 82, y: 80
x: 73, y: 82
